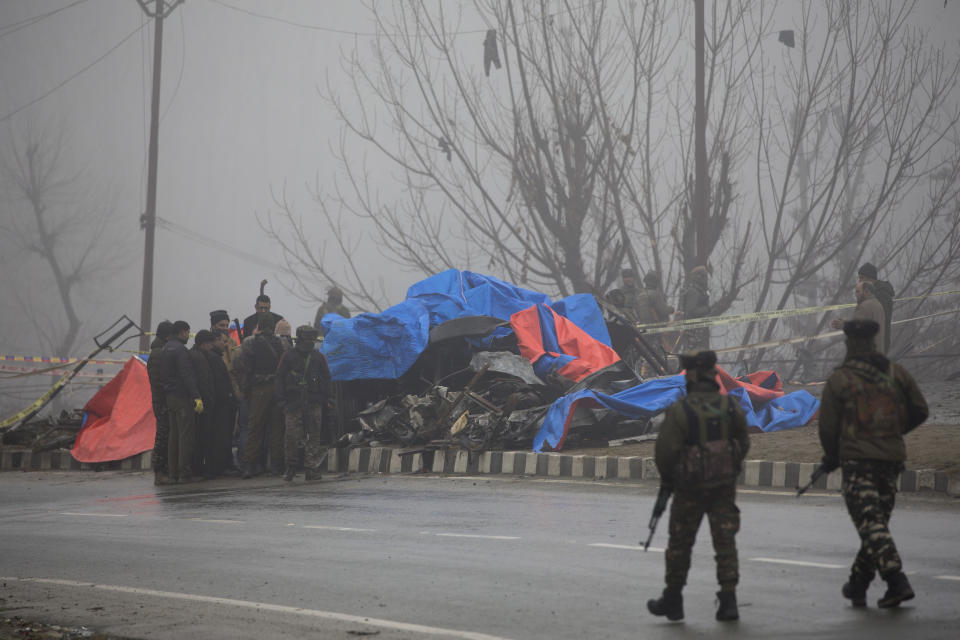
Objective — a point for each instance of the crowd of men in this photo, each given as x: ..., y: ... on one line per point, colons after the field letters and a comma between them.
x: 262, y: 392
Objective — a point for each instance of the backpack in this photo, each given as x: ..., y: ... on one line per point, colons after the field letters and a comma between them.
x: 874, y: 408
x: 711, y: 457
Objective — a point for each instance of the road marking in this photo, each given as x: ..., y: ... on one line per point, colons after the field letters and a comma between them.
x: 628, y: 547
x: 97, y: 515
x: 475, y: 535
x: 799, y: 563
x: 264, y: 606
x: 320, y: 526
x: 216, y: 521
x: 947, y: 577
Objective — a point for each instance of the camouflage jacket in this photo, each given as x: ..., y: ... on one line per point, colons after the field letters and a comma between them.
x: 672, y: 439
x: 845, y: 429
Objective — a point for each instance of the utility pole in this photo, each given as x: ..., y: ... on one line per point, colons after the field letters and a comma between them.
x: 701, y: 189
x: 148, y: 221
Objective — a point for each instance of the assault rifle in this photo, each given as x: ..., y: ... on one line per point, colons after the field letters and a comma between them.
x: 663, y: 496
x: 818, y: 473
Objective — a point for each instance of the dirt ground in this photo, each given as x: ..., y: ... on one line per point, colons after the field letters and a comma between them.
x: 16, y: 628
x: 930, y: 446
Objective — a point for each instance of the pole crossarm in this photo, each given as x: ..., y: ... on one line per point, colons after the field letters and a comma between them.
x: 167, y: 7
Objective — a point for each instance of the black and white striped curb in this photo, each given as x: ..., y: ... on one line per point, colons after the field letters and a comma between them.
x: 755, y: 473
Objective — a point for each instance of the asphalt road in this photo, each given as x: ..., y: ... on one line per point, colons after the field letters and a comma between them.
x: 426, y: 556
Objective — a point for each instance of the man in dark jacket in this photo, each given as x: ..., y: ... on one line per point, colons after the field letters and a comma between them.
x: 202, y: 346
x: 699, y: 450
x: 257, y: 368
x: 225, y: 413
x: 262, y: 305
x: 303, y: 390
x: 183, y: 402
x: 868, y: 404
x: 161, y: 475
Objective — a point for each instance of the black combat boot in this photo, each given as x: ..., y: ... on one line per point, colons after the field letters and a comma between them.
x: 670, y: 604
x: 898, y: 590
x: 855, y: 590
x: 727, y: 609
x: 288, y: 475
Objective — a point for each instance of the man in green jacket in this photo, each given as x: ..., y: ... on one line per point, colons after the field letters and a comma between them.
x: 699, y: 451
x: 868, y: 404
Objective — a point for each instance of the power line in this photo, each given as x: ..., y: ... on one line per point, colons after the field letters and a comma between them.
x: 84, y: 69
x: 369, y: 34
x: 26, y: 22
x: 213, y: 243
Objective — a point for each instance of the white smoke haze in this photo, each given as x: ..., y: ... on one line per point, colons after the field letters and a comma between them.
x: 247, y: 122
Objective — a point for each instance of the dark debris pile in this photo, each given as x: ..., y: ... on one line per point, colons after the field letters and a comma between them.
x: 47, y: 434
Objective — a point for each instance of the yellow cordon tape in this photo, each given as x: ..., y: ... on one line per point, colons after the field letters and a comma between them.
x: 17, y: 417
x: 712, y: 321
x: 829, y: 334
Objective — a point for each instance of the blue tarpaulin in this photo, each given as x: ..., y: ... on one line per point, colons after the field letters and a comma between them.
x: 654, y: 396
x: 385, y: 345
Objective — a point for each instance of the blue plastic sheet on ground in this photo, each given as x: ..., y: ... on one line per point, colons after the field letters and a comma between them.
x: 639, y: 402
x: 385, y: 345
x: 654, y: 396
x: 789, y: 411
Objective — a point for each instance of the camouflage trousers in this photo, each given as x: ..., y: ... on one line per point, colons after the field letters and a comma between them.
x: 158, y: 460
x: 870, y: 489
x: 686, y: 512
x: 307, y: 432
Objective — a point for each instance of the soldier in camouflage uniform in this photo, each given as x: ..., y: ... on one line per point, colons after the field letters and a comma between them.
x: 711, y: 429
x: 303, y: 390
x: 868, y: 404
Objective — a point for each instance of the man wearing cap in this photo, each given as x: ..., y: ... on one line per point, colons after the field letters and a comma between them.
x: 183, y: 402
x: 868, y: 404
x: 256, y: 368
x: 303, y: 389
x: 203, y: 343
x: 883, y: 292
x: 158, y: 397
x: 699, y: 451
x: 868, y: 308
x: 334, y: 304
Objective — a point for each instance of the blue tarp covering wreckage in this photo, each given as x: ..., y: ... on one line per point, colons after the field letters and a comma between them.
x: 385, y: 345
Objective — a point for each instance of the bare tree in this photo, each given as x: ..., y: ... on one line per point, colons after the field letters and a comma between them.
x: 849, y: 134
x: 552, y: 169
x: 52, y: 218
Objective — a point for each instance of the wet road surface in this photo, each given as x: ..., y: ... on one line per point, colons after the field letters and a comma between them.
x: 427, y: 556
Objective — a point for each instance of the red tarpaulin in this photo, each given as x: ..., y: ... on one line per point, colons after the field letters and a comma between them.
x: 118, y: 421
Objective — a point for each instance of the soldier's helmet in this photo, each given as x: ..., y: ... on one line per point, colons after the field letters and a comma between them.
x: 334, y: 295
x: 701, y: 365
x: 306, y: 332
x: 651, y: 280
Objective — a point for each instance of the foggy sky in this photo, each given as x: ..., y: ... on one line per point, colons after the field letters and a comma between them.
x: 242, y: 114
